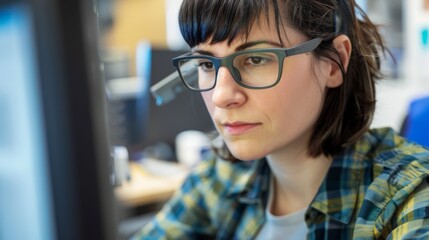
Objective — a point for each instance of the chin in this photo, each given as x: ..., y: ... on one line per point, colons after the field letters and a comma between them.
x: 246, y: 150
x: 247, y: 155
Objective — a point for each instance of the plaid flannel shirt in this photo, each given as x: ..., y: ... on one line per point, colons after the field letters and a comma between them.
x: 371, y: 191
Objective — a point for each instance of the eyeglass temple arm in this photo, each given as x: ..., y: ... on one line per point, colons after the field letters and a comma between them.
x: 304, y: 47
x: 168, y: 88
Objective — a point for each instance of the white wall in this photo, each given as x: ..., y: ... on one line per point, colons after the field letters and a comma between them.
x: 174, y: 37
x: 394, y: 96
x: 417, y: 56
x: 393, y: 99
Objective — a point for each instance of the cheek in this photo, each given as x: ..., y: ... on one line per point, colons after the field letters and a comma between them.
x: 305, y: 75
x: 301, y: 93
x: 207, y: 98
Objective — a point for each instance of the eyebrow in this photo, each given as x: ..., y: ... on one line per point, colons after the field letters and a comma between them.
x: 240, y: 47
x: 251, y: 44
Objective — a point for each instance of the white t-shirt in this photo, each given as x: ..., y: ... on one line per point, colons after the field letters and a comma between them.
x: 290, y: 226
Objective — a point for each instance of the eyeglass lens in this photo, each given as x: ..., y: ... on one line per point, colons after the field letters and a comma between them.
x: 258, y: 69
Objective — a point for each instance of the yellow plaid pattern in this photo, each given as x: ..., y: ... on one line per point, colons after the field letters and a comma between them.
x: 375, y: 189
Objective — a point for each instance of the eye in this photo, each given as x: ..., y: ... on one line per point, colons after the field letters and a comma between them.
x: 206, y: 65
x: 256, y: 60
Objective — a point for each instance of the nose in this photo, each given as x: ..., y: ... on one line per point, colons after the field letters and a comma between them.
x: 227, y: 93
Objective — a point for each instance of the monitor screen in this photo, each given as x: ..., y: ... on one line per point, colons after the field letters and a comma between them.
x: 54, y: 156
x: 25, y: 202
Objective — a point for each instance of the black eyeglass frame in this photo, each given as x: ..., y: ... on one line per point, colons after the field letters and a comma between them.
x: 227, y: 61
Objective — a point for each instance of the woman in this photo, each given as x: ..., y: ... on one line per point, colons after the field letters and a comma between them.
x: 290, y: 87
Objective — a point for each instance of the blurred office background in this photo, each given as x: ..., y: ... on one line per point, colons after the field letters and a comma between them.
x: 403, y: 23
x: 153, y: 24
x: 130, y: 44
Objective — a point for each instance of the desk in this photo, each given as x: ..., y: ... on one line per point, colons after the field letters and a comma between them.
x: 146, y: 188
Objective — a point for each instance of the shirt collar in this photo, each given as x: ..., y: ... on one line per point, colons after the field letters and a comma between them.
x: 336, y: 197
x: 338, y: 193
x: 251, y: 182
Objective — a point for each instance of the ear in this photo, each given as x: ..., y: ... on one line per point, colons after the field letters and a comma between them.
x: 344, y: 48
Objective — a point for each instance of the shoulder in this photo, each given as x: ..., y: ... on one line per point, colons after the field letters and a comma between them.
x: 395, y: 167
x: 391, y: 158
x: 388, y: 152
x: 398, y: 172
x: 397, y: 160
x: 398, y: 167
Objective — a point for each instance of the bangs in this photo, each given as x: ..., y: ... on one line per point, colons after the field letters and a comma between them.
x: 219, y: 20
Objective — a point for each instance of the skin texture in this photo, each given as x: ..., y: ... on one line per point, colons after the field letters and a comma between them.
x: 277, y: 122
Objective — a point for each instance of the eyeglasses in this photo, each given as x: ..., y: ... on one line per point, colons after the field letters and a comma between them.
x: 254, y: 68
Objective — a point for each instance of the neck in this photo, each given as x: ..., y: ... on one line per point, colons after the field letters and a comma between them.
x: 297, y: 178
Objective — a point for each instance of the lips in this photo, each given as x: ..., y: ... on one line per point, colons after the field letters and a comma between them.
x: 238, y: 128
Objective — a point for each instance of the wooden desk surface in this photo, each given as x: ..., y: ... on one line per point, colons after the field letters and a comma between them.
x: 145, y: 188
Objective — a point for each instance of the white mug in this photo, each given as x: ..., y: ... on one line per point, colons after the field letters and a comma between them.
x: 191, y: 147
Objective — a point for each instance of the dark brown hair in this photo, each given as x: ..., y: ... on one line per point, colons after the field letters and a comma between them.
x: 348, y: 109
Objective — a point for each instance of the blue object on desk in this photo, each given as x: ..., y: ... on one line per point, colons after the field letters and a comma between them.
x: 416, y: 126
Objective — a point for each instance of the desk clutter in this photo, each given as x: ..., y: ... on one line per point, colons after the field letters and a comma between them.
x: 147, y: 178
x: 147, y: 185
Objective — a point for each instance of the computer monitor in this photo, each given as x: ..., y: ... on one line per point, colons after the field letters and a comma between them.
x: 54, y: 154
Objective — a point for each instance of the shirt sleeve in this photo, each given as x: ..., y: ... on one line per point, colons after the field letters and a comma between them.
x: 185, y: 216
x: 412, y: 219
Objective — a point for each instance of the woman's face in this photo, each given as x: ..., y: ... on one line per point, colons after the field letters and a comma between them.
x: 257, y: 123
